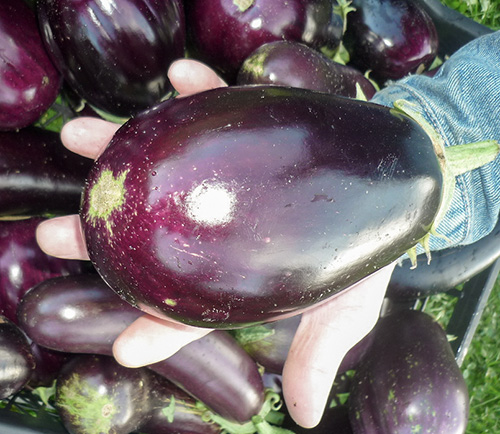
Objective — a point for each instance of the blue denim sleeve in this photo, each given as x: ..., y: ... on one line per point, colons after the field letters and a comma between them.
x: 462, y: 103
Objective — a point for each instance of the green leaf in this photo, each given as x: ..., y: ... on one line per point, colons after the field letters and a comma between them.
x: 169, y: 411
x: 46, y: 394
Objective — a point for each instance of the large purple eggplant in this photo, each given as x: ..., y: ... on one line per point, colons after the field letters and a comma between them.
x: 29, y: 82
x: 223, y: 33
x: 392, y: 38
x: 38, y: 175
x: 23, y: 264
x: 289, y: 63
x: 80, y: 314
x: 16, y: 359
x: 115, y: 55
x: 241, y: 204
x: 408, y: 380
x: 95, y: 394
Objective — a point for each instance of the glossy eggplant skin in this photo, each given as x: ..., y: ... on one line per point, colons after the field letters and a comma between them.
x: 392, y: 38
x: 16, y: 359
x: 29, y: 82
x: 97, y: 316
x: 38, y: 175
x: 223, y: 33
x: 116, y: 58
x: 238, y: 205
x: 408, y: 380
x: 227, y: 380
x: 23, y: 264
x: 289, y: 63
x: 81, y: 314
x: 95, y: 394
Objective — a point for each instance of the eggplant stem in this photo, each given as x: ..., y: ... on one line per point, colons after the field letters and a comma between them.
x: 453, y: 160
x: 470, y: 156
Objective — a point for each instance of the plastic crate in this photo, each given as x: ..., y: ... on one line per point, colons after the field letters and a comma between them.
x: 454, y: 31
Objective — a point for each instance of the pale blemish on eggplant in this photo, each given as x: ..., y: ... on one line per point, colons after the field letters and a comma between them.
x: 106, y: 196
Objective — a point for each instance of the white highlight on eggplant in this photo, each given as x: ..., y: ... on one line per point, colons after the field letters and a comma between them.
x: 211, y: 203
x: 256, y: 23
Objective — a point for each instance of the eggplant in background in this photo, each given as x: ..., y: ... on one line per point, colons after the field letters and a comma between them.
x: 29, y: 82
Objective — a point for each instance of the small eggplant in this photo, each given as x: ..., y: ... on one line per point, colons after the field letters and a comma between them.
x: 115, y: 55
x: 38, y: 175
x: 391, y: 38
x: 408, y: 380
x: 223, y: 33
x: 81, y: 314
x: 175, y: 412
x: 29, y: 82
x: 23, y: 264
x: 16, y: 359
x: 75, y: 314
x: 97, y: 395
x: 289, y: 63
x: 239, y: 205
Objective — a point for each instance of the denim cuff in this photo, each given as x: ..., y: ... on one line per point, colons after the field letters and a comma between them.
x: 462, y: 103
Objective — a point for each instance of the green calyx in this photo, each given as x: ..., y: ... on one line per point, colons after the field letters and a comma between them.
x: 266, y: 422
x: 106, y: 196
x: 91, y: 411
x: 243, y: 5
x: 453, y: 160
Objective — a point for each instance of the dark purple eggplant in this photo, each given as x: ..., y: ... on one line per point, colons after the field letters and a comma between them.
x: 80, y: 314
x: 448, y: 269
x: 241, y: 204
x: 116, y: 58
x: 391, y: 38
x: 223, y: 33
x: 16, y: 359
x: 38, y: 175
x: 95, y: 394
x: 29, y: 82
x: 175, y: 412
x: 219, y: 373
x: 75, y: 314
x: 289, y: 63
x: 408, y: 380
x: 23, y: 264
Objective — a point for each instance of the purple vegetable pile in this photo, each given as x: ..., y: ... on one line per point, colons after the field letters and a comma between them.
x: 228, y: 209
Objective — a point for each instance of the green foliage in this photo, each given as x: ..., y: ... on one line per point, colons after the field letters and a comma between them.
x: 481, y: 369
x: 486, y: 12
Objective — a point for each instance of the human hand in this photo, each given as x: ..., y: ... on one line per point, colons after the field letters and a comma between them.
x: 326, y: 332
